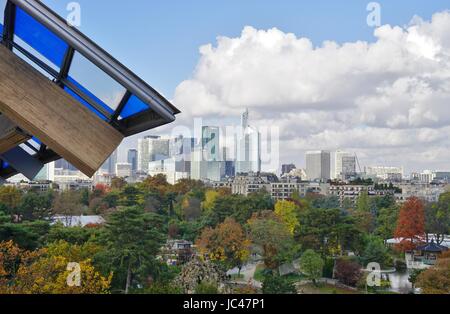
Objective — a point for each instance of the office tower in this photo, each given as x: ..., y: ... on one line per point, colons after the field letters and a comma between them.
x: 123, y: 170
x: 338, y: 163
x: 345, y: 165
x: 199, y: 167
x: 348, y: 167
x: 152, y: 148
x: 132, y: 159
x: 110, y: 164
x: 181, y: 147
x: 248, y: 147
x: 211, y: 143
x: 285, y: 169
x: 318, y: 165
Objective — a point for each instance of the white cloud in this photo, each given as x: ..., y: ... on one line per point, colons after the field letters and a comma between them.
x: 368, y: 97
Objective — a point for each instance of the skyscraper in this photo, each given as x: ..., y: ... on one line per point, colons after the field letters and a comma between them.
x: 110, y: 164
x: 211, y: 143
x: 344, y: 165
x: 132, y: 159
x: 318, y: 165
x: 248, y: 147
x: 151, y: 148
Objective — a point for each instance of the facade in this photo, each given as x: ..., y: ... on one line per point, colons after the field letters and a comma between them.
x: 382, y: 172
x: 110, y: 164
x: 352, y: 192
x: 173, y: 170
x: 284, y: 189
x: 425, y: 191
x: 132, y: 159
x: 211, y: 143
x: 248, y: 147
x: 246, y: 184
x: 124, y: 170
x: 318, y: 165
x: 152, y: 148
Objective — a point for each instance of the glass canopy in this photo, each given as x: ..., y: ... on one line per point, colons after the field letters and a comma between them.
x: 72, y: 61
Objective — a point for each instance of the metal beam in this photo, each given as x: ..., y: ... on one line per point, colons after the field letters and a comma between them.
x: 23, y: 162
x: 99, y: 57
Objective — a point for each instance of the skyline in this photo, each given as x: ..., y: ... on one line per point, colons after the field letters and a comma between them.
x: 378, y: 92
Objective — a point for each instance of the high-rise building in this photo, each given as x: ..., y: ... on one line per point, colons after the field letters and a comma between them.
x: 348, y: 167
x: 132, y: 159
x: 211, y: 143
x: 318, y: 165
x: 248, y: 147
x: 110, y: 164
x: 339, y: 154
x: 151, y: 148
x: 181, y: 147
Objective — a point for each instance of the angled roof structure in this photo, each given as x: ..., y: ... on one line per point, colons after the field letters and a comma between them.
x: 97, y: 82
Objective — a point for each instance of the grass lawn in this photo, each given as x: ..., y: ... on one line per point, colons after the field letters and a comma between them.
x: 325, y: 289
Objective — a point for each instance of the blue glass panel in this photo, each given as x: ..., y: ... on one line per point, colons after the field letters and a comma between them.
x: 1, y: 29
x: 132, y: 107
x: 92, y: 97
x: 40, y: 38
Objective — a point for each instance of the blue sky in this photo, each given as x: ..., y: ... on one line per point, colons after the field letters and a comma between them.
x: 159, y: 40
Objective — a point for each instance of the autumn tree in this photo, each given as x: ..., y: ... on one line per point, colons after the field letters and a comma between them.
x: 227, y: 243
x: 288, y: 213
x: 272, y: 235
x: 411, y: 224
x: 436, y: 280
x: 67, y: 203
x: 348, y: 271
x: 46, y: 271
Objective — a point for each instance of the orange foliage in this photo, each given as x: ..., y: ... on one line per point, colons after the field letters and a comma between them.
x: 411, y: 224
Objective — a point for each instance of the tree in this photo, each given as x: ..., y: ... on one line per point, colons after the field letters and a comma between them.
x: 411, y: 224
x: 267, y: 231
x: 10, y: 198
x: 437, y: 217
x: 46, y: 271
x: 311, y: 265
x: 386, y: 222
x: 67, y: 203
x: 414, y: 276
x: 288, y: 213
x: 118, y: 183
x: 228, y: 243
x: 132, y: 239
x: 436, y: 280
x: 348, y: 271
x: 277, y: 285
x: 375, y: 251
x: 35, y: 206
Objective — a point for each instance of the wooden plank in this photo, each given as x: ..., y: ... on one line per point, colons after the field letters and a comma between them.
x: 46, y: 111
x: 10, y: 135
